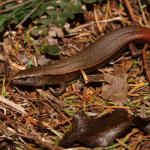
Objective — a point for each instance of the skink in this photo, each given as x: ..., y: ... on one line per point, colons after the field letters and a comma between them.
x: 89, y: 59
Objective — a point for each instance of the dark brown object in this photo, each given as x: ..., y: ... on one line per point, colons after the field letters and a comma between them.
x: 95, y: 132
x: 143, y: 124
x: 92, y: 57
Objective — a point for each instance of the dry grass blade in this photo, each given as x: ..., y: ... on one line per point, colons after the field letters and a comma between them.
x: 12, y: 105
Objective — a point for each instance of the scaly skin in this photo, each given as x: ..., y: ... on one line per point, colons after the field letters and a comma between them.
x: 96, y: 55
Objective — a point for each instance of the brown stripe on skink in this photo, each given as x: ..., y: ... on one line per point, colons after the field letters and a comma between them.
x: 95, y: 54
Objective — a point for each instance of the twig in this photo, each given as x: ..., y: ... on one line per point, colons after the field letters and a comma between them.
x: 96, y: 19
x: 130, y: 10
x: 49, y: 98
x: 146, y: 22
x: 6, y: 2
x: 29, y: 14
x: 146, y: 58
x: 9, y: 121
x: 101, y: 21
x: 36, y: 140
x: 14, y: 7
x: 11, y: 104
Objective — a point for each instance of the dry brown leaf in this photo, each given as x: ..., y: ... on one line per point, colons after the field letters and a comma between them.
x: 116, y: 88
x: 124, y: 67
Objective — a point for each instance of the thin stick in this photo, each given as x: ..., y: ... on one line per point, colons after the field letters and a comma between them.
x: 6, y: 2
x: 11, y: 104
x: 14, y: 7
x: 146, y: 62
x: 146, y: 22
x: 96, y: 19
x: 37, y: 140
x: 29, y: 14
x: 101, y: 21
x: 130, y: 10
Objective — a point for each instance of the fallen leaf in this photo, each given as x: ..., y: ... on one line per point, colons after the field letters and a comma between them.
x: 116, y: 88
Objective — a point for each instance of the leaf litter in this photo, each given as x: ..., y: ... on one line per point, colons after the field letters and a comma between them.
x: 49, y: 114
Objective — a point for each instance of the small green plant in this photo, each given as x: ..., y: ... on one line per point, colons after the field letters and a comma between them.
x: 56, y: 11
x: 50, y: 49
